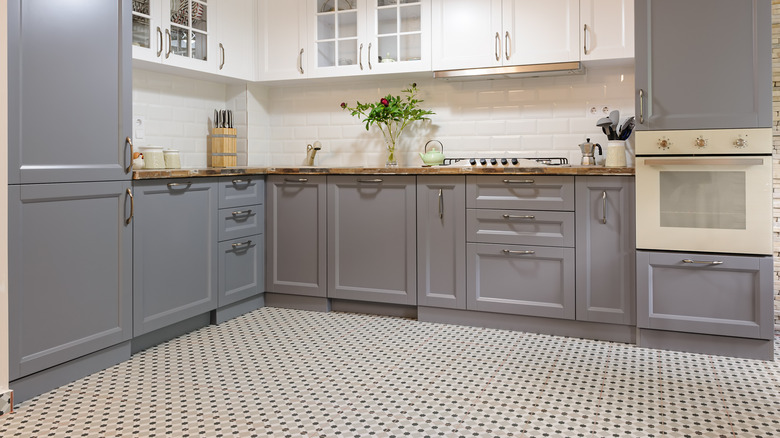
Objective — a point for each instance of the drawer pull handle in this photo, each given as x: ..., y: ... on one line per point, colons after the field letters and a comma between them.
x: 240, y: 212
x: 373, y: 181
x: 241, y: 181
x: 518, y: 181
x: 239, y: 245
x: 604, y: 207
x: 132, y: 207
x: 703, y: 262
x: 298, y: 180
x: 172, y: 185
x: 441, y: 203
x: 509, y: 251
x: 513, y: 216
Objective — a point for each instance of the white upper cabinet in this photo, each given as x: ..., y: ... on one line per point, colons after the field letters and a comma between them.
x: 354, y: 37
x: 491, y: 33
x: 174, y: 32
x: 607, y: 28
x: 235, y: 39
x: 282, y: 40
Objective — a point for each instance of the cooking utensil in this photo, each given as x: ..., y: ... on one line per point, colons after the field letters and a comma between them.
x: 614, y: 116
x: 588, y: 148
x: 627, y: 128
x: 603, y: 124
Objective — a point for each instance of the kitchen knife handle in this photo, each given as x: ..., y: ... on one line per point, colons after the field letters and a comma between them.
x: 129, y: 141
x: 300, y: 61
x: 585, y: 39
x: 641, y: 106
x: 518, y: 181
x: 170, y: 45
x: 369, y: 57
x: 132, y: 207
x: 515, y: 216
x: 604, y: 207
x: 507, y: 45
x: 160, y: 46
x: 298, y: 180
x: 373, y: 181
x: 222, y: 51
x: 509, y: 251
x: 360, y: 56
x: 497, y: 47
x: 441, y: 204
x: 703, y: 262
x: 238, y: 245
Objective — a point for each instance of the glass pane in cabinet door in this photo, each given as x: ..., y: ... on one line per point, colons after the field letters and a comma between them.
x: 347, y: 25
x: 199, y: 46
x: 326, y: 27
x: 346, y: 5
x: 180, y: 12
x: 388, y: 49
x: 326, y: 54
x: 179, y: 41
x: 386, y: 2
x: 411, y: 47
x: 141, y: 6
x: 348, y: 52
x: 199, y: 16
x: 409, y: 1
x: 142, y: 32
x: 325, y: 6
x: 410, y: 19
x: 387, y: 21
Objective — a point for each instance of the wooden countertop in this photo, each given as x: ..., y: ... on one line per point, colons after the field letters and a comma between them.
x: 417, y: 170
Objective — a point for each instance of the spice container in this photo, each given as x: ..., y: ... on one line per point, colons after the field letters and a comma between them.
x: 172, y: 159
x: 153, y: 157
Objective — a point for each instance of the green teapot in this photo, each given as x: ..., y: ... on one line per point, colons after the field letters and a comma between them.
x: 434, y: 156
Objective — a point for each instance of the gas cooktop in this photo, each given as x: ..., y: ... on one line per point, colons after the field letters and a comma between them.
x: 505, y: 161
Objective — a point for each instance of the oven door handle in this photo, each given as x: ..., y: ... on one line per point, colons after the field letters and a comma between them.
x: 699, y: 161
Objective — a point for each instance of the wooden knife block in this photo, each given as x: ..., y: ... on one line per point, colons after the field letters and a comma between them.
x: 222, y: 147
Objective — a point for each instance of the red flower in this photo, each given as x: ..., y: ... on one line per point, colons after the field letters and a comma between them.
x: 343, y: 105
x: 384, y: 102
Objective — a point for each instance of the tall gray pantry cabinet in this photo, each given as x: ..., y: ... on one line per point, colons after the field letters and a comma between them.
x: 70, y: 253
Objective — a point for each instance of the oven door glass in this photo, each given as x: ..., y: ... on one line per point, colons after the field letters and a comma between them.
x: 709, y: 204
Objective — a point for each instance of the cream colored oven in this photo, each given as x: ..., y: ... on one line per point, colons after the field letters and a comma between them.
x: 704, y: 190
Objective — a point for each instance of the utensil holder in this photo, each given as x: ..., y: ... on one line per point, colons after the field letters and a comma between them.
x: 222, y: 147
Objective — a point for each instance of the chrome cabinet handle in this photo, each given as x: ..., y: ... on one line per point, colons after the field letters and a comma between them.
x: 641, y: 106
x: 160, y: 39
x: 240, y: 212
x: 518, y: 181
x: 373, y: 181
x: 300, y: 61
x: 238, y: 245
x: 705, y: 161
x: 369, y: 57
x: 441, y: 204
x: 509, y: 251
x: 497, y: 47
x: 703, y: 262
x: 222, y: 51
x: 298, y: 180
x: 507, y: 45
x: 172, y: 185
x: 129, y: 141
x: 239, y: 181
x: 604, y: 207
x: 585, y: 39
x: 513, y: 216
x: 170, y: 45
x: 360, y: 56
x: 132, y: 207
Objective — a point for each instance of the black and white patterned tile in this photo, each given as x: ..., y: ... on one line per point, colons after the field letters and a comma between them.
x: 287, y: 373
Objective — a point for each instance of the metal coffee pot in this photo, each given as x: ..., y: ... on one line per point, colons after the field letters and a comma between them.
x: 588, y: 149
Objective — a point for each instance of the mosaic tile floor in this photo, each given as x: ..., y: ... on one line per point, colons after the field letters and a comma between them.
x: 278, y: 373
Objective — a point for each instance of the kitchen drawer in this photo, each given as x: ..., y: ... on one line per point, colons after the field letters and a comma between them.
x: 241, y: 190
x: 522, y: 227
x: 238, y: 222
x: 728, y: 299
x: 521, y: 280
x: 520, y: 192
x: 241, y: 269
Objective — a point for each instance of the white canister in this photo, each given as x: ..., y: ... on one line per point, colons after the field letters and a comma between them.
x: 153, y: 157
x: 616, y: 154
x: 172, y: 159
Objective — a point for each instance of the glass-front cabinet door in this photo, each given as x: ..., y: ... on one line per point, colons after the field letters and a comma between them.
x: 147, y: 34
x: 339, y: 37
x: 401, y: 32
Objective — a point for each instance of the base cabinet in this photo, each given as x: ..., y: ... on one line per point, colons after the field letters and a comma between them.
x: 70, y: 265
x: 705, y: 293
x: 371, y: 238
x: 175, y: 252
x: 241, y: 268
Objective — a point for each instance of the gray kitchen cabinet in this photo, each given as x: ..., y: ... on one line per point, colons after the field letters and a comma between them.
x: 703, y: 64
x: 175, y: 251
x: 70, y: 111
x: 241, y: 268
x: 525, y: 192
x: 521, y: 280
x: 525, y: 227
x: 296, y: 235
x: 70, y: 272
x: 705, y: 293
x: 371, y: 238
x: 441, y: 241
x: 241, y: 190
x: 240, y: 221
x: 605, y: 249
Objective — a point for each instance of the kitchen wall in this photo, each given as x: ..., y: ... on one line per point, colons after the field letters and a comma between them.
x: 534, y: 116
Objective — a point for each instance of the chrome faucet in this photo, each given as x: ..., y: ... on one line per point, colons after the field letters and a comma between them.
x: 311, y: 151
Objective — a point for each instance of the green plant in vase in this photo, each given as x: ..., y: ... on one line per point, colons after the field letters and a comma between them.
x: 391, y: 114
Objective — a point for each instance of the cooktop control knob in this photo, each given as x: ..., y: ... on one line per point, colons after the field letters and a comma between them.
x: 483, y: 161
x: 493, y: 161
x: 700, y: 142
x: 473, y: 161
x: 664, y: 143
x: 504, y: 161
x: 740, y: 143
x: 514, y: 161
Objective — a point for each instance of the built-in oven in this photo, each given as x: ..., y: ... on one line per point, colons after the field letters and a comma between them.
x: 704, y: 191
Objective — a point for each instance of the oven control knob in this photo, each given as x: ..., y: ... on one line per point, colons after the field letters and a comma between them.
x: 664, y: 143
x: 700, y: 142
x: 740, y: 143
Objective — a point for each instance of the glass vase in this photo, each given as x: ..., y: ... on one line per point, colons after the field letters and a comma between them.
x: 391, y: 133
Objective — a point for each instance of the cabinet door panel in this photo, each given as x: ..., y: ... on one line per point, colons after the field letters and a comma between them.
x: 239, y: 222
x: 541, y: 32
x: 703, y: 71
x: 371, y: 238
x: 296, y: 241
x: 610, y: 29
x: 175, y: 252
x: 238, y: 191
x: 466, y: 34
x: 441, y: 241
x: 282, y: 39
x: 524, y: 227
x: 241, y: 269
x: 235, y: 33
x: 75, y: 132
x: 70, y: 272
x: 520, y: 192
